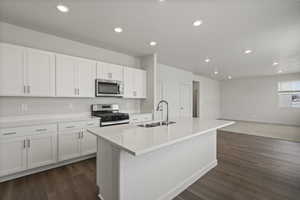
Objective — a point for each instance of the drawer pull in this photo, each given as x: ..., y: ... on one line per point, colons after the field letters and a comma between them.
x: 90, y: 124
x: 70, y: 127
x: 10, y: 133
x: 41, y: 129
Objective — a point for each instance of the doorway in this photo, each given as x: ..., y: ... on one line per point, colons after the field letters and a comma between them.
x: 196, y: 98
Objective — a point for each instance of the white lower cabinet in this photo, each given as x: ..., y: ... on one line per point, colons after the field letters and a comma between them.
x: 27, y: 147
x: 88, y: 143
x: 75, y: 141
x: 69, y: 145
x: 42, y: 150
x: 13, y: 155
x: 30, y: 147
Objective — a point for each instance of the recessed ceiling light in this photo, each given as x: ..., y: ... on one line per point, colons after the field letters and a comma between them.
x: 153, y: 43
x: 229, y: 77
x: 207, y: 60
x: 62, y: 8
x: 275, y: 63
x: 279, y: 71
x: 118, y: 30
x: 248, y: 51
x: 197, y: 23
x: 216, y: 72
x: 161, y: 1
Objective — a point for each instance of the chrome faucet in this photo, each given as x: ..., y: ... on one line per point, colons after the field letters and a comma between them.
x: 158, y: 107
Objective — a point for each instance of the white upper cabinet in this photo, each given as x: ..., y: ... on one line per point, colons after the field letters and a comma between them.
x: 65, y: 76
x: 135, y: 83
x: 75, y: 77
x: 86, y: 73
x: 109, y: 71
x: 40, y: 73
x: 26, y: 72
x: 11, y: 70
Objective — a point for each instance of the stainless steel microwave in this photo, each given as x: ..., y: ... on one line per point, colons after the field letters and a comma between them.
x: 109, y: 88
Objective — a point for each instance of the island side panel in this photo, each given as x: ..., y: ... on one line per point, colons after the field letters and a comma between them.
x: 164, y: 173
x: 107, y: 170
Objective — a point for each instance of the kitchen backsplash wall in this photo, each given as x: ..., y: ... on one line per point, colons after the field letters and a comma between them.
x: 22, y: 106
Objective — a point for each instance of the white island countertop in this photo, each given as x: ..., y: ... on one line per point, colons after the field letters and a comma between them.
x: 139, y: 140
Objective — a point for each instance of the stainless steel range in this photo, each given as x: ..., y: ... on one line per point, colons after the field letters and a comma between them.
x: 109, y: 114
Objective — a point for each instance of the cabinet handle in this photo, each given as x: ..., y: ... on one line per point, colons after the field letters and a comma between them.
x: 24, y: 144
x: 10, y: 133
x: 82, y: 135
x: 28, y: 89
x: 79, y: 134
x: 24, y: 88
x: 28, y: 143
x: 41, y: 129
x: 70, y: 126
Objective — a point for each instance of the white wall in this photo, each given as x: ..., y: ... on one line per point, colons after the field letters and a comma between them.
x: 209, y: 105
x: 10, y: 106
x: 256, y: 99
x: 209, y: 100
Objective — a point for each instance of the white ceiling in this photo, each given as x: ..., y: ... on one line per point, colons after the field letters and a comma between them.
x: 271, y: 28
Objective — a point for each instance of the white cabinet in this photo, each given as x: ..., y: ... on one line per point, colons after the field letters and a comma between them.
x: 12, y: 155
x: 69, y: 144
x: 135, y: 83
x: 40, y: 73
x: 27, y: 147
x: 86, y: 73
x: 75, y: 141
x: 11, y: 70
x: 75, y: 77
x: 42, y: 150
x: 88, y: 143
x: 109, y: 71
x: 26, y: 72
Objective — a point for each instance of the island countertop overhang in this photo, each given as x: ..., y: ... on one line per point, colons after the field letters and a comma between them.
x: 139, y: 140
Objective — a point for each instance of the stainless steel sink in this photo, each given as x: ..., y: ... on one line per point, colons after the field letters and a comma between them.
x: 155, y: 124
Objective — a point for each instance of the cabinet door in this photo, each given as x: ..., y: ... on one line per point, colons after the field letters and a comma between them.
x: 116, y: 72
x: 12, y: 155
x: 40, y: 73
x: 11, y: 70
x: 109, y: 71
x: 68, y: 145
x: 185, y: 97
x: 88, y: 143
x: 65, y: 76
x: 42, y: 150
x: 129, y: 83
x: 86, y: 73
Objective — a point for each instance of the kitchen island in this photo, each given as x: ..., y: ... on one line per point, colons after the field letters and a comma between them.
x: 158, y: 163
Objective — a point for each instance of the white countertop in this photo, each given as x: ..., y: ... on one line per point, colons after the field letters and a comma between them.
x: 139, y: 140
x: 43, y: 119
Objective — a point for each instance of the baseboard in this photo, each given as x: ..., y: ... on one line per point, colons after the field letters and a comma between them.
x: 44, y: 168
x: 187, y: 182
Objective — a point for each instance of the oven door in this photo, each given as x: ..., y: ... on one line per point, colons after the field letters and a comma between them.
x: 108, y: 88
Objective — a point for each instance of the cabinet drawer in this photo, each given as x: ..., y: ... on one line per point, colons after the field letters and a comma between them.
x: 93, y: 123
x: 71, y: 125
x: 42, y: 128
x: 12, y: 132
x: 27, y: 130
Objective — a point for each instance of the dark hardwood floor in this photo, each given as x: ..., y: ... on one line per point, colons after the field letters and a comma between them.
x: 249, y: 167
